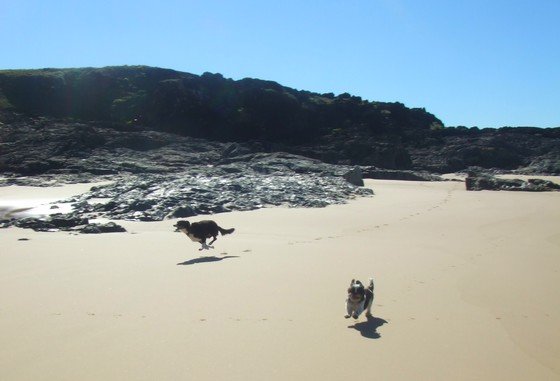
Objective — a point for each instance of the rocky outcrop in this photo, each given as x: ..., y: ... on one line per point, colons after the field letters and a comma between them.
x: 71, y: 222
x: 78, y: 151
x: 341, y: 129
x: 354, y: 176
x: 521, y: 150
x: 477, y: 181
x: 109, y: 227
x: 207, y: 106
x: 155, y: 175
x: 369, y: 172
x: 252, y: 183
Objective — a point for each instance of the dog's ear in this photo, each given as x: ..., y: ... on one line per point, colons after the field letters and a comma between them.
x: 352, y: 282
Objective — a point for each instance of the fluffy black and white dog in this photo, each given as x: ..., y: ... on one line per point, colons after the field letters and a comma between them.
x: 200, y: 231
x: 359, y: 299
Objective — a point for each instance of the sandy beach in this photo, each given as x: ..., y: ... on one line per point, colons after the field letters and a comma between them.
x: 467, y: 287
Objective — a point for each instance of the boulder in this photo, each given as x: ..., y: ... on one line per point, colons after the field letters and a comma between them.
x: 354, y: 177
x: 109, y: 227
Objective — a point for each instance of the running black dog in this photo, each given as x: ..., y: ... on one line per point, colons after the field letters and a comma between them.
x: 200, y: 231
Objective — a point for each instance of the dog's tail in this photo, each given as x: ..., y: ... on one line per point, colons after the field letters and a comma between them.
x: 226, y: 231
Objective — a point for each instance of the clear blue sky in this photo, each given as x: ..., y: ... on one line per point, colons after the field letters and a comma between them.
x: 486, y: 63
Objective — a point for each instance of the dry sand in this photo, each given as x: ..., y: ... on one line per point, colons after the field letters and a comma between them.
x: 467, y: 288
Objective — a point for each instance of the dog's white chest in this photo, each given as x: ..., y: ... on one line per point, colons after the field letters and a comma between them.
x: 355, y: 304
x: 191, y: 236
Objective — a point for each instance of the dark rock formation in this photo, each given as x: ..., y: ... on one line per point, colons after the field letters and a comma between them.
x: 252, y: 182
x: 392, y: 174
x: 477, y: 181
x: 521, y: 149
x: 208, y: 106
x: 181, y: 177
x: 109, y: 227
x: 354, y: 176
x: 341, y: 129
x: 151, y: 197
x: 55, y: 222
x: 72, y: 222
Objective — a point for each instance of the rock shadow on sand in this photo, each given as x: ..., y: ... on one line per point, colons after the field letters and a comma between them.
x: 205, y: 260
x: 368, y: 328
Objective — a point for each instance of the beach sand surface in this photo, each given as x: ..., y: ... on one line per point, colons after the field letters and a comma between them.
x: 467, y: 287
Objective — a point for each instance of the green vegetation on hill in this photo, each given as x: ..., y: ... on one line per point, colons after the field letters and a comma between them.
x: 209, y: 105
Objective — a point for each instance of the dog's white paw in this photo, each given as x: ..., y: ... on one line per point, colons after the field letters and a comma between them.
x: 346, y: 316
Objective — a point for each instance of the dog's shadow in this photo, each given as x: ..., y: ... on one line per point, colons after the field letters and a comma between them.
x: 368, y: 328
x: 205, y: 260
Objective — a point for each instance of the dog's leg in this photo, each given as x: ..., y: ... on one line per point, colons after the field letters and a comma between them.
x: 358, y: 311
x: 368, y: 312
x: 348, y: 310
x: 371, y: 297
x: 204, y: 245
x: 213, y: 239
